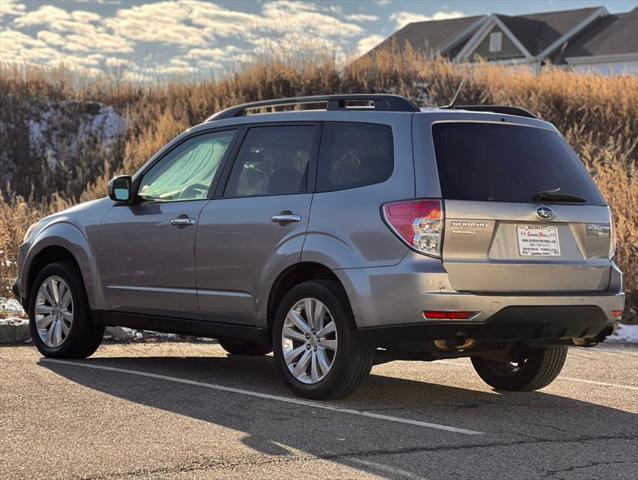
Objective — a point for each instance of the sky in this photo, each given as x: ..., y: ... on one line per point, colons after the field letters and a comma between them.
x: 144, y: 40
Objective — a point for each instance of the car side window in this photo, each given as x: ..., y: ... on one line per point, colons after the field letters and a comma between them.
x: 354, y: 155
x: 272, y: 160
x: 187, y: 172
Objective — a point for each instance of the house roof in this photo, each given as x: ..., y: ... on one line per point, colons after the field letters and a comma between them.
x: 430, y: 36
x: 536, y: 32
x: 550, y: 27
x: 613, y: 34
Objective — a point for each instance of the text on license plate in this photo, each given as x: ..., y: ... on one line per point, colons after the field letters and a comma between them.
x: 538, y: 240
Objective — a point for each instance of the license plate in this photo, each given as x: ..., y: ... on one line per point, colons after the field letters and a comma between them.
x: 538, y: 241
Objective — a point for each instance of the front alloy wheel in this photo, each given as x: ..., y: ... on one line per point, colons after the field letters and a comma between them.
x: 59, y: 314
x: 309, y: 340
x: 54, y: 311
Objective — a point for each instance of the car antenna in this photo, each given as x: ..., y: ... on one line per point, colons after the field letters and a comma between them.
x: 456, y: 94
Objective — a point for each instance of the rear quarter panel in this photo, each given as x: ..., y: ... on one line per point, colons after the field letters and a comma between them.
x: 346, y: 229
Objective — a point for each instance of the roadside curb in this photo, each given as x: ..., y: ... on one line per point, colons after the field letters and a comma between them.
x: 14, y: 330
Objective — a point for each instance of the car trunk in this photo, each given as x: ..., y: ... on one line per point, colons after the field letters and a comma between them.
x: 501, y: 247
x: 501, y: 233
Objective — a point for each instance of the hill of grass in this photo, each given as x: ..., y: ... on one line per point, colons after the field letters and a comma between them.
x: 598, y: 116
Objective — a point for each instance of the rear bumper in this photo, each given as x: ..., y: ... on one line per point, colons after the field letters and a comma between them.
x: 390, y: 301
x: 530, y: 324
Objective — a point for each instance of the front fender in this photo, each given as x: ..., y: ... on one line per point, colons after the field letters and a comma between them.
x: 64, y: 234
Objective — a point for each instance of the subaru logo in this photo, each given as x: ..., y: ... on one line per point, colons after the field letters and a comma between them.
x: 544, y: 212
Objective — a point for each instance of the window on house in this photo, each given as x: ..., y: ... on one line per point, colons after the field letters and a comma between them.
x: 496, y: 41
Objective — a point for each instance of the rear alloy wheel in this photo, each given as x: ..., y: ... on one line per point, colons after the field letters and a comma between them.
x: 59, y: 314
x: 532, y: 369
x: 316, y: 347
x: 309, y: 340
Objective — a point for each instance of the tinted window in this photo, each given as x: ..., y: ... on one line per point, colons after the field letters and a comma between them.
x: 186, y: 173
x: 353, y: 155
x: 272, y: 161
x: 507, y: 163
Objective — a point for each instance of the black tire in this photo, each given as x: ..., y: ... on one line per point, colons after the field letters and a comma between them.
x: 352, y: 361
x: 240, y: 347
x: 539, y: 367
x: 84, y: 337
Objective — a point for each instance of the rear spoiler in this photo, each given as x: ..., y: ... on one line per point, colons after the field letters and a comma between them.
x: 505, y: 109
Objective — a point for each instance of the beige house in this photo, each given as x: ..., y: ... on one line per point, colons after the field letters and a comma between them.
x: 587, y: 39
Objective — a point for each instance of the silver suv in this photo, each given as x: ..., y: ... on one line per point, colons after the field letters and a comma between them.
x: 352, y: 230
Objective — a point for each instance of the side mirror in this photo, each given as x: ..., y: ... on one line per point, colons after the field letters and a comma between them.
x: 120, y: 189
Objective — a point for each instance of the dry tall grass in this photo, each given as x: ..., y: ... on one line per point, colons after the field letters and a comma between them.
x: 598, y: 116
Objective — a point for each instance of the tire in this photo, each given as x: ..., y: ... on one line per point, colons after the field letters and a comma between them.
x: 350, y: 361
x: 240, y: 347
x: 540, y: 367
x: 82, y: 337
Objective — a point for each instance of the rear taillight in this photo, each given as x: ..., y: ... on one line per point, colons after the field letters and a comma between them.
x: 612, y: 237
x: 419, y: 223
x: 446, y: 315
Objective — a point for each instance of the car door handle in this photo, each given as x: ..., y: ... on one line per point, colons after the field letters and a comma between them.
x: 285, y: 218
x: 183, y: 221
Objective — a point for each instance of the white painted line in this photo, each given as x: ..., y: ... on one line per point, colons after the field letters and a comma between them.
x: 279, y: 398
x: 602, y: 384
x: 560, y: 377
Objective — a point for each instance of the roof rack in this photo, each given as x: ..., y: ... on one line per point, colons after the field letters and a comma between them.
x: 380, y: 102
x: 505, y: 109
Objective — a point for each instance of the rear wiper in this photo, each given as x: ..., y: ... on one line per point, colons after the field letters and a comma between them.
x: 556, y: 196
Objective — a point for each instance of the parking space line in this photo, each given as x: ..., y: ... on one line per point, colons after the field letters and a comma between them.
x: 278, y: 398
x: 560, y: 377
x: 602, y: 384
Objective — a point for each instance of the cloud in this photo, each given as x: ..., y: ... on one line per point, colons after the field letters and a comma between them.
x: 361, y: 17
x: 368, y: 43
x: 77, y: 31
x: 227, y: 53
x: 401, y: 19
x: 285, y: 17
x: 191, y: 33
x: 162, y: 22
x: 100, y: 2
x: 21, y: 48
x: 45, y: 15
x: 11, y: 8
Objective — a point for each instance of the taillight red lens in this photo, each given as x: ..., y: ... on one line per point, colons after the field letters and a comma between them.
x: 419, y: 223
x: 431, y: 315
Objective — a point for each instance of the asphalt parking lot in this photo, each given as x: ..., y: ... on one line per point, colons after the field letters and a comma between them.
x: 181, y: 410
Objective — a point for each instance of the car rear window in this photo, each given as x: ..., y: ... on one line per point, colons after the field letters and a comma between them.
x: 507, y: 163
x: 354, y: 155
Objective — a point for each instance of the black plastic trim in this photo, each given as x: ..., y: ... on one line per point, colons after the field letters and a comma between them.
x: 525, y: 323
x: 387, y: 103
x: 181, y: 326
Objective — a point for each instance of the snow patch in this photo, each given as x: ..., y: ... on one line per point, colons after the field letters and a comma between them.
x: 625, y: 334
x: 61, y: 129
x: 10, y: 305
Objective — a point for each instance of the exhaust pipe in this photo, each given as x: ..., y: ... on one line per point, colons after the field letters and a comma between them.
x: 458, y: 343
